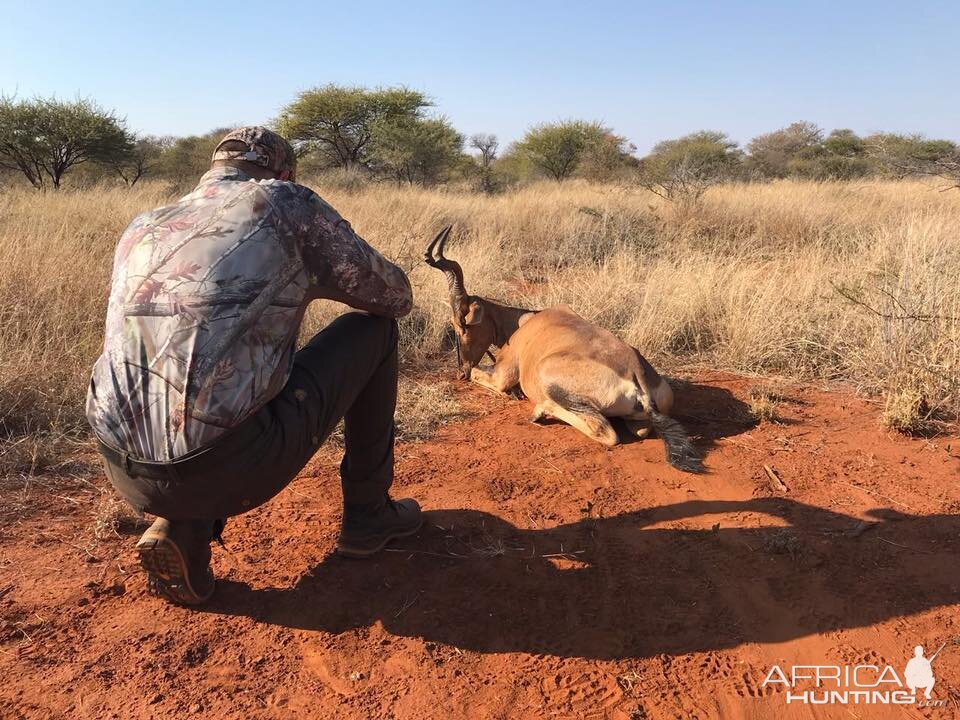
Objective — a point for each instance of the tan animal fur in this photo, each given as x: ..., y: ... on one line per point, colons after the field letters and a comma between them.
x: 571, y: 369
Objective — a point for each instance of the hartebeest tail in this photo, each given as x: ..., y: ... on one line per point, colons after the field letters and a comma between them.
x: 680, y: 451
x: 570, y: 368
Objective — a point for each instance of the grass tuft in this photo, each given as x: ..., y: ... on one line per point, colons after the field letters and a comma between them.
x: 423, y: 406
x: 113, y: 516
x: 764, y: 403
x: 906, y: 410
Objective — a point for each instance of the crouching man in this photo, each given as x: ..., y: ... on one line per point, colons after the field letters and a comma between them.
x: 201, y: 406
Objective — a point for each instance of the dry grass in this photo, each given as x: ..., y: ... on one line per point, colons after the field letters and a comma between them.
x: 766, y: 399
x: 905, y: 409
x: 111, y: 515
x: 837, y: 281
x: 763, y: 406
x: 423, y: 406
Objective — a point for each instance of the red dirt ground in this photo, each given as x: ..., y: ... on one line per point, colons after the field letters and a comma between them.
x: 555, y: 579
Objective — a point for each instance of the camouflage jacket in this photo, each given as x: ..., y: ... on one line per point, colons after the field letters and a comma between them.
x: 205, y: 306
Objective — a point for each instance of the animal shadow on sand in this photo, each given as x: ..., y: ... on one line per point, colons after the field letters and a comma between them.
x: 662, y: 580
x: 706, y: 412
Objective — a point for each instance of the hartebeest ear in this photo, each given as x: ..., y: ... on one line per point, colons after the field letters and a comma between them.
x: 474, y: 315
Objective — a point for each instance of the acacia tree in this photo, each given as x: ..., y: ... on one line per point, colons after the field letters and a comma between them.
x: 772, y: 153
x: 337, y: 122
x: 681, y: 170
x: 558, y: 148
x: 607, y: 158
x: 44, y: 138
x: 840, y: 156
x: 904, y: 155
x: 415, y: 150
x: 144, y: 157
x: 487, y: 145
x: 185, y: 159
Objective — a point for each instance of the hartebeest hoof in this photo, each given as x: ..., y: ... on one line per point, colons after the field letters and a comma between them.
x: 638, y: 428
x: 539, y: 415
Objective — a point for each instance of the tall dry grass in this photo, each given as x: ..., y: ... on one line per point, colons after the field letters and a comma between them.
x: 855, y: 281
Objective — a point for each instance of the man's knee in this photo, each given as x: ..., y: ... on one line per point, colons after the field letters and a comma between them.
x: 368, y: 328
x: 353, y: 345
x: 387, y: 327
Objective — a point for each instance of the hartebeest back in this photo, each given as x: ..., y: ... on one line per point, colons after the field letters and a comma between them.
x: 570, y: 368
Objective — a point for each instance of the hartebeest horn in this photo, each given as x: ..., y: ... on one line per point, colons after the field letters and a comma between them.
x: 428, y: 255
x: 450, y: 268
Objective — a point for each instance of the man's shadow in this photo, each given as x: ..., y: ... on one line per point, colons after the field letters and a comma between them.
x: 633, y: 585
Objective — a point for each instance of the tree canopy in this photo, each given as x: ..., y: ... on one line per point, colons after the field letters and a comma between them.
x: 415, y: 150
x: 772, y: 153
x: 144, y: 157
x: 44, y: 138
x: 187, y: 158
x: 558, y: 148
x: 682, y: 169
x: 337, y: 122
x: 487, y: 145
x: 350, y: 135
x: 903, y: 155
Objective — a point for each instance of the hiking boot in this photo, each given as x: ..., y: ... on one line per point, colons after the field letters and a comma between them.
x: 176, y: 557
x: 367, y: 528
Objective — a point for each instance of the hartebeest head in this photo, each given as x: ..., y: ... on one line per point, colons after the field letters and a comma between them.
x: 477, y: 322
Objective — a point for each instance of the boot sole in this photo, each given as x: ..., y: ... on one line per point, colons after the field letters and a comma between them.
x: 355, y: 552
x: 167, y: 575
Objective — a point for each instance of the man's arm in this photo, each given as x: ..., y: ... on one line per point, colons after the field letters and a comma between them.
x: 341, y: 265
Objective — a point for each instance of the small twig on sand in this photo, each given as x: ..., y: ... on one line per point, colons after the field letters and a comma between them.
x: 425, y: 552
x: 861, y: 528
x: 303, y: 495
x: 407, y: 605
x: 492, y: 551
x: 905, y: 547
x: 879, y: 495
x: 775, y: 482
x: 82, y: 549
x: 740, y: 444
x: 23, y: 632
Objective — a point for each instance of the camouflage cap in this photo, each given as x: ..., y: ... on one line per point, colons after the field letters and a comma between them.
x: 264, y: 147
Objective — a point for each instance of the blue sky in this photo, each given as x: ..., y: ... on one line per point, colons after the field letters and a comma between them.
x: 650, y: 70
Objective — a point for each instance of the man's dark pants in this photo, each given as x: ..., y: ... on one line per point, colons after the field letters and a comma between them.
x: 348, y: 370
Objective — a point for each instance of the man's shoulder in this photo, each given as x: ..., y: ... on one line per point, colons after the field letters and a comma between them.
x: 154, y: 216
x: 284, y: 189
x: 297, y: 201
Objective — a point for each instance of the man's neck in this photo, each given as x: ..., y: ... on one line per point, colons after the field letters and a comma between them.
x: 257, y: 172
x: 221, y: 172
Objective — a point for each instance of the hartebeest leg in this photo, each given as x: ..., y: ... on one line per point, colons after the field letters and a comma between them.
x: 592, y: 424
x: 505, y: 374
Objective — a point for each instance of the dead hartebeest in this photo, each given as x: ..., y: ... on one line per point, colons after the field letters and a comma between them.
x: 569, y: 368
